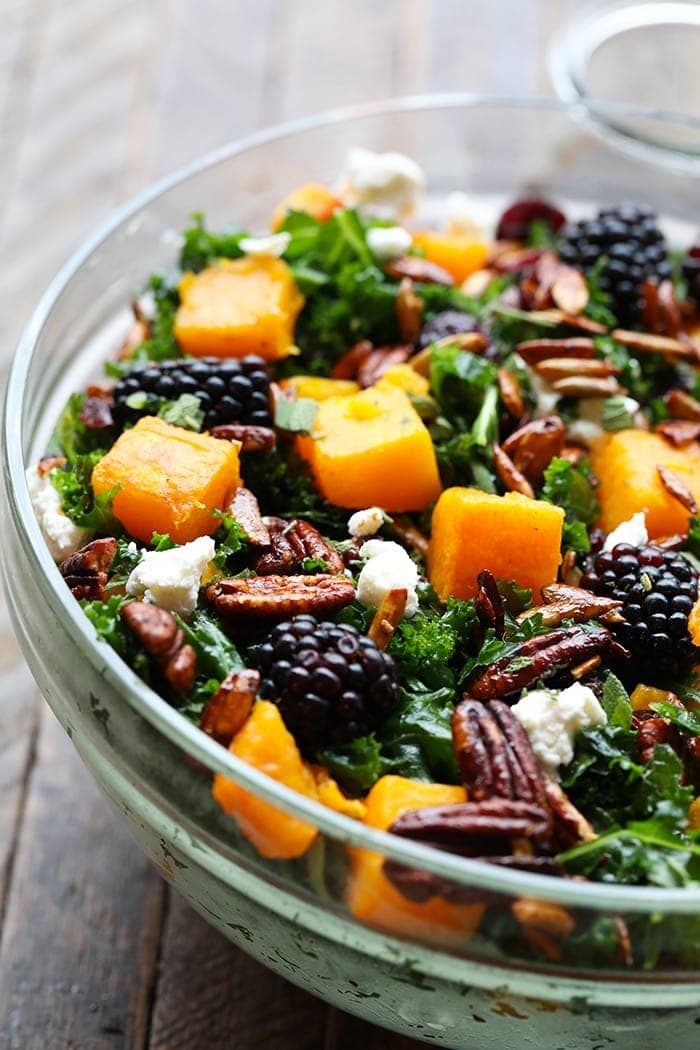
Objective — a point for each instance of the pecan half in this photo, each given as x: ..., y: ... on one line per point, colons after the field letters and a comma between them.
x: 380, y: 361
x: 470, y: 828
x: 677, y: 488
x: 512, y: 478
x: 252, y: 438
x: 420, y: 886
x: 421, y: 270
x: 570, y: 825
x: 679, y: 432
x: 409, y: 311
x: 652, y: 729
x: 490, y: 607
x: 86, y: 572
x: 245, y: 509
x: 533, y: 446
x: 230, y: 705
x: 562, y: 602
x: 158, y: 632
x: 541, y: 657
x: 545, y: 925
x: 348, y: 365
x: 410, y: 536
x: 292, y: 543
x: 536, y: 350
x: 280, y: 596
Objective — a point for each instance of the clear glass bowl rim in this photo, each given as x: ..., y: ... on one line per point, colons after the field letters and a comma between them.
x: 185, y: 735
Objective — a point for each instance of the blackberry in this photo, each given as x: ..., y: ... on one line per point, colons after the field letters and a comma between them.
x: 230, y: 390
x: 448, y: 322
x: 691, y: 273
x: 634, y: 246
x: 658, y: 589
x: 330, y: 682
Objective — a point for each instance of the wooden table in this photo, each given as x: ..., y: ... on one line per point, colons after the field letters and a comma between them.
x: 98, y: 98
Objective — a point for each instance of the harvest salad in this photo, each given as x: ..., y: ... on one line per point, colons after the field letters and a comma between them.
x: 407, y: 518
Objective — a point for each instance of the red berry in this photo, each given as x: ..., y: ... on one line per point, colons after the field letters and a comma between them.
x: 515, y: 222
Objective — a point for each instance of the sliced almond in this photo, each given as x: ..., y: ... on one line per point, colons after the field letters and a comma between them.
x: 682, y: 405
x: 565, y: 367
x: 422, y: 270
x: 511, y: 393
x: 477, y: 283
x: 509, y: 474
x: 474, y: 342
x: 677, y: 488
x: 536, y: 350
x: 582, y: 386
x: 409, y: 311
x: 570, y: 291
x: 655, y: 344
x: 388, y: 617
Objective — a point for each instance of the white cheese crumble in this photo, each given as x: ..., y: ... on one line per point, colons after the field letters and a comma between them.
x: 587, y: 429
x: 271, y: 244
x: 62, y: 536
x: 459, y: 216
x: 552, y: 719
x: 546, y: 397
x: 387, y: 567
x: 171, y: 578
x: 382, y: 185
x: 632, y: 531
x: 388, y: 242
x: 366, y: 522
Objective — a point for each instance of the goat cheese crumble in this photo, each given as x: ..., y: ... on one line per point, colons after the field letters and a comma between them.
x: 632, y: 531
x: 552, y: 718
x: 382, y: 185
x: 270, y: 244
x: 172, y: 578
x: 387, y: 567
x: 63, y: 537
x: 366, y: 522
x: 388, y: 242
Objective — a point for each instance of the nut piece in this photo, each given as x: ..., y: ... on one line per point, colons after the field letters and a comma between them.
x: 388, y: 617
x: 380, y: 361
x: 409, y: 312
x: 230, y: 705
x: 570, y: 367
x: 245, y: 509
x: 533, y: 446
x: 511, y: 393
x: 656, y: 344
x: 682, y: 405
x: 569, y: 291
x: 280, y: 596
x: 535, y: 350
x: 677, y: 488
x: 585, y: 386
x: 544, y: 925
x: 679, y: 432
x: 467, y: 827
x: 410, y: 536
x: 348, y: 365
x: 291, y: 544
x: 562, y: 602
x: 421, y: 270
x: 157, y: 631
x: 86, y: 572
x: 252, y: 438
x: 510, y: 476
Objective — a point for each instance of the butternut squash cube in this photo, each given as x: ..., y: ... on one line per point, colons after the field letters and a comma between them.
x: 170, y: 479
x: 265, y: 743
x: 625, y: 464
x: 372, y: 448
x: 238, y: 307
x: 515, y: 537
x: 318, y: 387
x: 457, y: 253
x: 313, y: 198
x: 372, y: 897
x: 405, y: 378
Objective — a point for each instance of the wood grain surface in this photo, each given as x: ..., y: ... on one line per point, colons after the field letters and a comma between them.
x: 97, y: 98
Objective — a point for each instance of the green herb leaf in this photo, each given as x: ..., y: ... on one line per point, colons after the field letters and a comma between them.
x: 356, y: 765
x: 568, y: 487
x: 217, y: 656
x: 296, y: 417
x: 186, y: 412
x: 687, y: 721
x: 615, y: 415
x: 74, y: 486
x: 616, y: 703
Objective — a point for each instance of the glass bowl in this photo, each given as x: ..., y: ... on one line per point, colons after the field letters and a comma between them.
x: 429, y: 977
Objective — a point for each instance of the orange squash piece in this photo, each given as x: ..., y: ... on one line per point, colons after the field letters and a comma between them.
x: 694, y: 623
x: 319, y: 388
x: 265, y: 743
x: 370, y: 895
x: 313, y: 198
x: 330, y: 795
x: 625, y: 463
x: 405, y: 378
x: 457, y: 253
x: 694, y: 815
x: 170, y: 479
x: 238, y: 307
x: 515, y: 537
x: 372, y: 448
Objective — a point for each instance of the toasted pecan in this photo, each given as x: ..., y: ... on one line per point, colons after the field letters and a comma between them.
x: 230, y: 705
x: 245, y: 509
x: 536, y: 350
x: 409, y: 311
x: 252, y: 438
x: 161, y: 637
x: 280, y: 596
x: 512, y: 478
x: 677, y: 488
x: 421, y: 270
x: 533, y: 446
x: 86, y: 572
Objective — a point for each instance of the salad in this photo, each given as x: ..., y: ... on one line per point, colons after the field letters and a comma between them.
x: 407, y: 518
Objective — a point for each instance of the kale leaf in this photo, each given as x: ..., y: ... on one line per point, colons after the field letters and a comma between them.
x: 569, y: 487
x: 79, y: 503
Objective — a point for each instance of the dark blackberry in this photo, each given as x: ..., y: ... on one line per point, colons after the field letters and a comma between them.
x: 330, y: 682
x: 449, y: 322
x: 658, y: 589
x: 691, y: 273
x: 230, y: 390
x: 634, y: 246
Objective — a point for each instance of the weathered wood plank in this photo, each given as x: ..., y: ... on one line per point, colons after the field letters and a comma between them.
x: 345, y: 1032
x: 211, y: 995
x: 83, y: 921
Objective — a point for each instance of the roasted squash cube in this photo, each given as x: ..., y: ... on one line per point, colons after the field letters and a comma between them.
x: 625, y: 464
x: 515, y: 537
x: 457, y: 253
x: 372, y: 448
x: 238, y: 307
x: 372, y: 897
x: 170, y: 479
x: 265, y: 743
x: 313, y: 198
x: 319, y: 388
